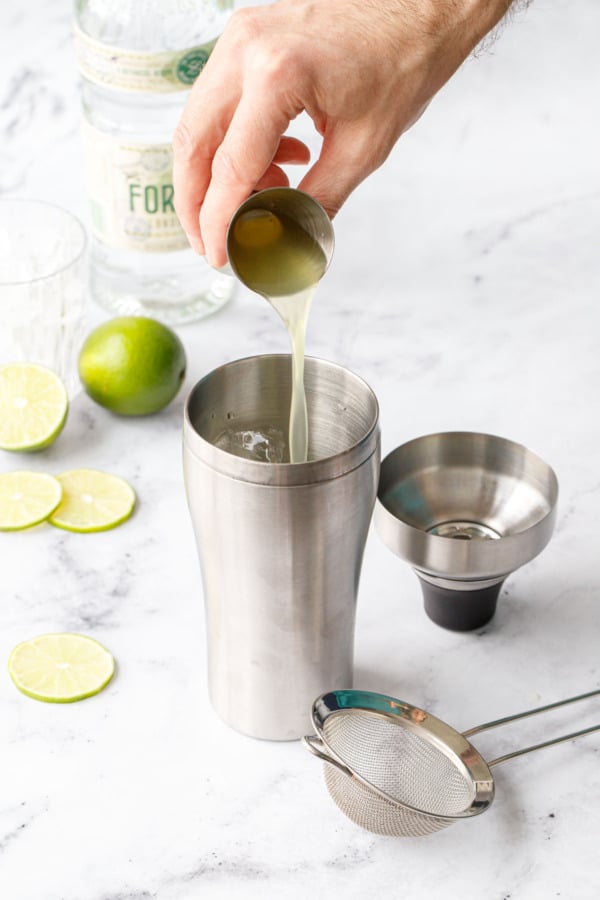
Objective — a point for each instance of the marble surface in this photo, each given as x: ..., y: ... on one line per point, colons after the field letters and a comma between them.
x: 465, y: 290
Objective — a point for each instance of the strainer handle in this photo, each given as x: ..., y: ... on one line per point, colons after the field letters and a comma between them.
x: 558, y: 740
x: 532, y: 712
x: 318, y: 748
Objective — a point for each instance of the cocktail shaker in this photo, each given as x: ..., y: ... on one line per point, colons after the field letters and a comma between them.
x: 280, y: 544
x: 465, y: 510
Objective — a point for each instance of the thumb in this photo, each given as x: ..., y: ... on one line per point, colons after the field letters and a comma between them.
x: 344, y: 162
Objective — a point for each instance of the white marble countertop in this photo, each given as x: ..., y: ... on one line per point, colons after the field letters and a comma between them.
x: 465, y: 289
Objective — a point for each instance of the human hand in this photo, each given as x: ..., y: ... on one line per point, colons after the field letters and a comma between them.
x: 363, y: 70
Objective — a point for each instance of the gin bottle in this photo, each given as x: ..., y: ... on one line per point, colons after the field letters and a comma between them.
x: 138, y: 60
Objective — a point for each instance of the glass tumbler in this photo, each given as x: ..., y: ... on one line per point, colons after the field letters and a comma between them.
x: 42, y: 295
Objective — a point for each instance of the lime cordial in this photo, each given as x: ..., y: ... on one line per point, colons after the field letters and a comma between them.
x: 277, y: 258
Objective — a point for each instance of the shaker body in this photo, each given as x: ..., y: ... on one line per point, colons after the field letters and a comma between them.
x: 280, y: 569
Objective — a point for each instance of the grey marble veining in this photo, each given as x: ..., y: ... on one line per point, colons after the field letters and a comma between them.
x: 464, y: 289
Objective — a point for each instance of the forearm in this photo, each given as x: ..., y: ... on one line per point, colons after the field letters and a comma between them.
x: 458, y: 24
x: 487, y: 17
x: 433, y: 36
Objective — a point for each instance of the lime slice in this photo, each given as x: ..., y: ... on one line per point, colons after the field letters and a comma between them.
x: 27, y: 498
x: 60, y: 668
x: 92, y: 501
x: 33, y: 406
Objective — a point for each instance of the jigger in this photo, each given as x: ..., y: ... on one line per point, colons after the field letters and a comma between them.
x: 465, y: 510
x: 292, y: 204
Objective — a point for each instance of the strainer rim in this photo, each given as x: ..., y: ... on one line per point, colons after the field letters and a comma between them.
x: 399, y: 712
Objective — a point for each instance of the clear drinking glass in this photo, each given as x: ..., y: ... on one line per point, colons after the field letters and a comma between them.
x: 42, y: 296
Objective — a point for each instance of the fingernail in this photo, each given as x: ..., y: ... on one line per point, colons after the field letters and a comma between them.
x: 218, y: 262
x: 196, y: 244
x: 212, y: 258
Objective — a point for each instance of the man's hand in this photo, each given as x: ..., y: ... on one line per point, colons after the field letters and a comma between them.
x: 364, y: 71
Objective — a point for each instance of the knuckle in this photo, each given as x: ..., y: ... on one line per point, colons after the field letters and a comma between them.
x: 243, y: 26
x: 226, y: 169
x: 274, y: 67
x: 267, y: 58
x: 183, y: 142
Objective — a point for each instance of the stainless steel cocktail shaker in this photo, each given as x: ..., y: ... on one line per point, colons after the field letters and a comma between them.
x: 465, y: 510
x: 280, y: 544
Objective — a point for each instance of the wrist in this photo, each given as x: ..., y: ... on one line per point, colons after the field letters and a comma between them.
x: 445, y: 30
x: 472, y: 18
x: 478, y: 17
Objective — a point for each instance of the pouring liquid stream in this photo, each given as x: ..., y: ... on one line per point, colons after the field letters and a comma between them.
x: 277, y: 258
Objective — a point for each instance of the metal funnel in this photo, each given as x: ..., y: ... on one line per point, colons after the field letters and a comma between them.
x: 465, y: 510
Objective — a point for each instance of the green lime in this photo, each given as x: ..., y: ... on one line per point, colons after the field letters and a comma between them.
x: 60, y: 668
x: 92, y: 501
x: 132, y: 365
x: 27, y: 498
x: 33, y: 406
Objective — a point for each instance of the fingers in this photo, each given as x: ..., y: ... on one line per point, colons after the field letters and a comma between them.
x: 193, y: 164
x: 229, y: 139
x: 239, y: 163
x: 273, y: 177
x: 201, y: 128
x: 190, y: 180
x: 348, y: 155
x: 332, y: 178
x: 291, y: 150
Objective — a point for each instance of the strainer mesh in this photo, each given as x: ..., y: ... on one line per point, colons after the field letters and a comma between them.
x: 407, y: 766
x: 367, y: 810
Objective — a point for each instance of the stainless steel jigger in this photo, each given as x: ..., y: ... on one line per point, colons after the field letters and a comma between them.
x: 303, y: 209
x: 465, y: 510
x: 280, y: 544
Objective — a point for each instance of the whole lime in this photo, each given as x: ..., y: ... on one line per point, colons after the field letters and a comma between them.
x: 132, y: 365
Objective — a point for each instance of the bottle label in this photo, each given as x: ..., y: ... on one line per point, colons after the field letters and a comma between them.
x: 130, y: 193
x: 129, y: 70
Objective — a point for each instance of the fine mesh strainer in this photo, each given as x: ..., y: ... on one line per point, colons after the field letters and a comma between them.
x: 397, y: 770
